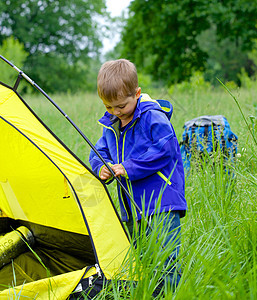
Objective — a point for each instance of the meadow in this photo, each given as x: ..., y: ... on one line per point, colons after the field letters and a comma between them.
x: 219, y: 233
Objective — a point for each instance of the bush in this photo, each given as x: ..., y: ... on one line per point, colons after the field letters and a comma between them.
x: 231, y: 85
x: 246, y: 81
x: 196, y: 83
x: 14, y: 51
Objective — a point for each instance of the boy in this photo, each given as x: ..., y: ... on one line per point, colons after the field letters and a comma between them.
x: 140, y: 145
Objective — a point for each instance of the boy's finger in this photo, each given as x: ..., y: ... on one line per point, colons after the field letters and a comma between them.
x: 116, y: 171
x: 105, y: 176
x: 106, y: 171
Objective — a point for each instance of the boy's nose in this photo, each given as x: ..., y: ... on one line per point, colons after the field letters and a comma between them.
x: 116, y: 111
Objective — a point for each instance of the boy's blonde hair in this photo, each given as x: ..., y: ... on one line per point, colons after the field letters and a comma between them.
x: 117, y: 79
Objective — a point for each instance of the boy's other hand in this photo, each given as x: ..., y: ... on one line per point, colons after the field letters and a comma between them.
x: 118, y: 170
x: 105, y: 173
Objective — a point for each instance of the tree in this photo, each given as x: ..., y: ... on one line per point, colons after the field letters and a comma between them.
x: 236, y: 20
x: 56, y: 32
x: 161, y: 37
x: 225, y: 57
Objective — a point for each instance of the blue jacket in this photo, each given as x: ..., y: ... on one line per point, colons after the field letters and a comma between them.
x: 149, y: 151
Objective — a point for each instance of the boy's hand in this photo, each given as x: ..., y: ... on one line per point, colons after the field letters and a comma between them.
x: 105, y: 173
x: 119, y: 170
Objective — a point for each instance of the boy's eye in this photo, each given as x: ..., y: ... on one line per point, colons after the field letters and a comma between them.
x: 121, y: 106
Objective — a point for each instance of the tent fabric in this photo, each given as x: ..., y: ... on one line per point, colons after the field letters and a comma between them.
x: 43, y: 183
x: 57, y: 287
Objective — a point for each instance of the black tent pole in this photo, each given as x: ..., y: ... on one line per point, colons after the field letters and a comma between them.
x: 21, y: 73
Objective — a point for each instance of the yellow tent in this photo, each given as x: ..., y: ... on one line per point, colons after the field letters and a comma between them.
x: 44, y: 187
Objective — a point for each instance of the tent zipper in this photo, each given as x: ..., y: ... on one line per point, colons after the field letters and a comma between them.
x: 98, y: 270
x: 91, y: 278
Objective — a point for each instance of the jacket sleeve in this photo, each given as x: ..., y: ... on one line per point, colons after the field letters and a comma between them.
x: 94, y: 160
x: 161, y: 151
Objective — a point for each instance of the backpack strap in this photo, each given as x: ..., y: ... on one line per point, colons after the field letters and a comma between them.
x: 223, y: 142
x: 193, y: 137
x: 206, y: 131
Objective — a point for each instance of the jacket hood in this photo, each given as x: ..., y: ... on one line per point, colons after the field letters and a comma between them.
x: 144, y: 104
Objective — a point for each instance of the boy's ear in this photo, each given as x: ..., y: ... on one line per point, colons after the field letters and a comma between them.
x: 138, y: 92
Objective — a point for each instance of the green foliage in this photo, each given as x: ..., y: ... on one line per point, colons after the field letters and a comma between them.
x: 236, y: 20
x: 195, y: 83
x: 253, y: 54
x: 243, y: 116
x: 246, y: 81
x: 52, y: 73
x: 253, y: 57
x: 162, y: 37
x: 144, y: 80
x: 61, y: 38
x: 146, y: 83
x: 64, y: 27
x: 14, y: 51
x: 225, y: 57
x: 231, y: 85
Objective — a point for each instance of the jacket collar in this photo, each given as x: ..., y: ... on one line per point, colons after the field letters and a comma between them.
x: 144, y: 103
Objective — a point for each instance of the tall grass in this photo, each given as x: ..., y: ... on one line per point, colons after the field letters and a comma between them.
x: 219, y: 233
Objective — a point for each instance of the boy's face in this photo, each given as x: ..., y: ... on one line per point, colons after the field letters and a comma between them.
x: 123, y: 108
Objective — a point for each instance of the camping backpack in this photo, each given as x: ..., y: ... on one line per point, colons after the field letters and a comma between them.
x: 204, y: 135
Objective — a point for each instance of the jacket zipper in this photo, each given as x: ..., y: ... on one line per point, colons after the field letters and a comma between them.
x: 116, y: 138
x: 118, y: 160
x: 122, y: 158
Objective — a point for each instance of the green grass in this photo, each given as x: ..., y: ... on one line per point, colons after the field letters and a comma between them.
x: 219, y: 232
